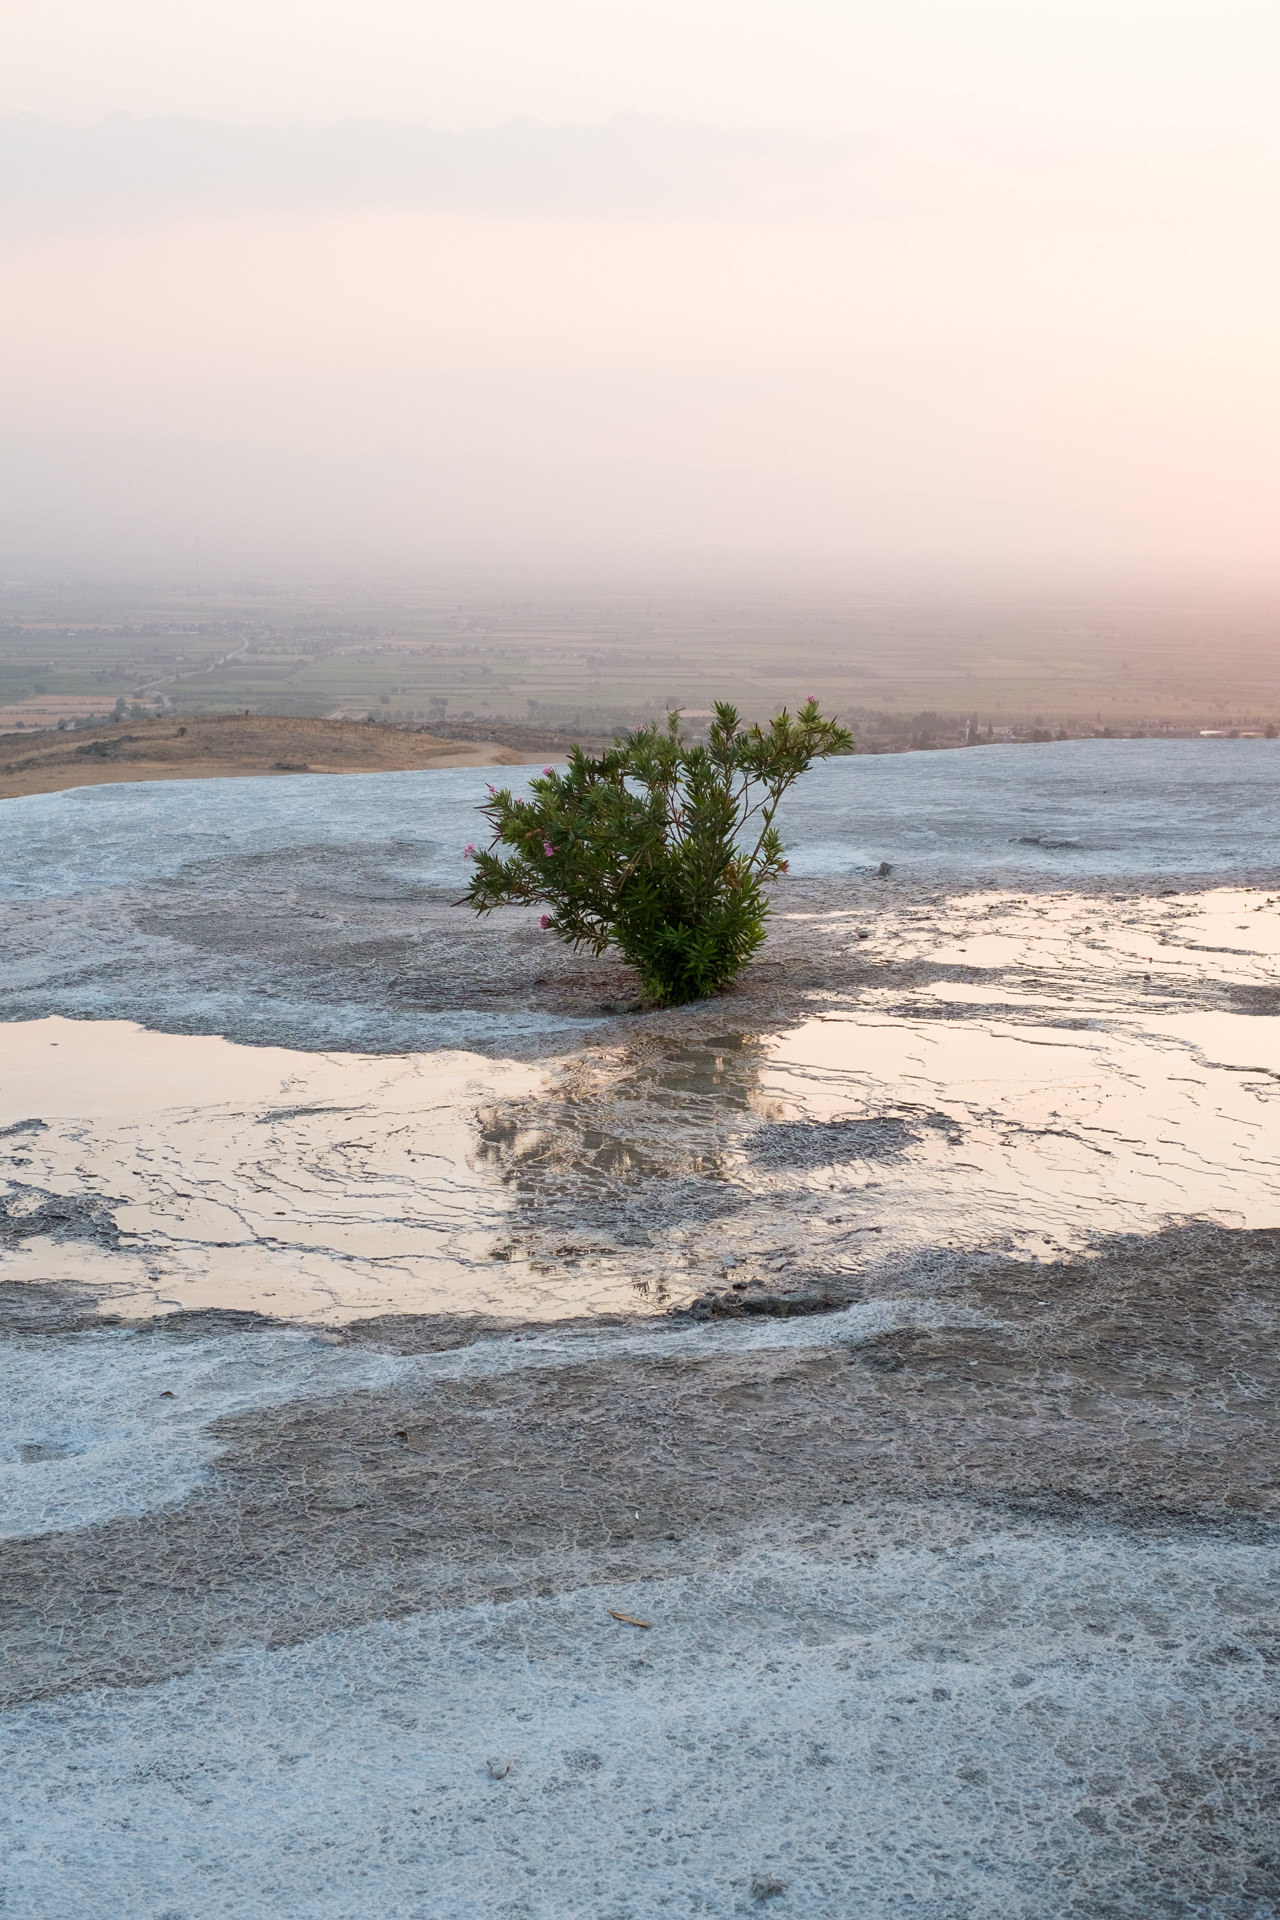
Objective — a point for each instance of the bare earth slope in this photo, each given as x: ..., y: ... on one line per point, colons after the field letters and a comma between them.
x: 231, y: 745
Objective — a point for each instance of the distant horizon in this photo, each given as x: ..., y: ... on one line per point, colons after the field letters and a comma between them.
x: 948, y: 583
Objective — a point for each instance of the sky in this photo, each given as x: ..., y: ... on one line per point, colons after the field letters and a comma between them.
x: 916, y: 284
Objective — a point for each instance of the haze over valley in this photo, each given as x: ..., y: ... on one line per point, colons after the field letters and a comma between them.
x: 598, y: 650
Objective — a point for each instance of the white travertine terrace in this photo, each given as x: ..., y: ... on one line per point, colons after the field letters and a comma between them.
x: 329, y: 1187
x: 961, y: 1588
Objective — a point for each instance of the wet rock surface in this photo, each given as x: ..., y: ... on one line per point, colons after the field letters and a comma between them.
x: 880, y: 1686
x: 929, y: 1422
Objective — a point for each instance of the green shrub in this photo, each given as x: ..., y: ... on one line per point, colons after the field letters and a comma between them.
x: 657, y: 847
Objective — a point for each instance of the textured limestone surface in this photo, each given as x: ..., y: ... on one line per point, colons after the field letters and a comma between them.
x: 939, y: 1714
x: 468, y: 1447
x: 966, y: 1603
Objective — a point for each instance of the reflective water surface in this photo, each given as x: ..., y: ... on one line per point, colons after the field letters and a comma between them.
x: 168, y: 1172
x: 1024, y: 1073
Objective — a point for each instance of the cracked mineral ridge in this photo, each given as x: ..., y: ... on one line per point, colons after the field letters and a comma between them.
x: 474, y: 1447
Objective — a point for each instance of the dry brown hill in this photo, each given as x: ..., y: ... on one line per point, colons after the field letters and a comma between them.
x: 226, y: 746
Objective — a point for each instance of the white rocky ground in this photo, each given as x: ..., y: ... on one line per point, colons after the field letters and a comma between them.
x: 961, y: 1595
x: 990, y: 1724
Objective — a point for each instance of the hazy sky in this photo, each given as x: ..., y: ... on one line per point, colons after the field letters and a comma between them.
x: 990, y: 282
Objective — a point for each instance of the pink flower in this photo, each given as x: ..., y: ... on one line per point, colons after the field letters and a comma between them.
x: 468, y: 852
x: 493, y: 789
x: 547, y: 848
x: 548, y: 770
x: 545, y: 921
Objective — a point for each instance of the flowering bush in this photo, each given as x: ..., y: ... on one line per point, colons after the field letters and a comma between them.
x: 656, y: 847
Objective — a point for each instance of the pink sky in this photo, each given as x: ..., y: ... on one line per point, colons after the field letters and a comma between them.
x: 972, y: 282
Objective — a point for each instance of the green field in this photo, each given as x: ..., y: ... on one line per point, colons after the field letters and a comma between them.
x: 597, y: 657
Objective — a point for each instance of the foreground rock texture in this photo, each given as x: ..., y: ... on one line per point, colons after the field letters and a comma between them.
x: 894, y: 1337
x: 1139, y: 1393
x: 966, y: 1603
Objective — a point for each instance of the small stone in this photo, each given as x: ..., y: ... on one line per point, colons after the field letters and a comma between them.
x: 499, y: 1768
x: 767, y: 1886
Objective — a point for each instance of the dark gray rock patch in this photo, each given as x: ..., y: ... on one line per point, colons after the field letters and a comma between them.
x: 828, y: 1143
x: 33, y: 1308
x: 31, y: 1213
x: 748, y: 1299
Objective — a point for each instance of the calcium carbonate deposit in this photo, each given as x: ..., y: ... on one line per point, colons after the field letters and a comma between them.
x: 472, y: 1446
